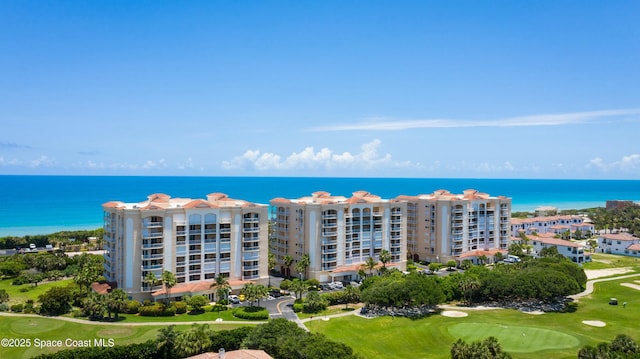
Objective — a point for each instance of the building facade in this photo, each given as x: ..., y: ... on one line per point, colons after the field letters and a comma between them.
x: 572, y: 250
x: 553, y: 224
x: 337, y: 233
x: 619, y: 243
x: 195, y: 239
x: 442, y: 226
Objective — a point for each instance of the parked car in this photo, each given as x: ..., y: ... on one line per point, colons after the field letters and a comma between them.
x: 234, y: 299
x: 275, y: 293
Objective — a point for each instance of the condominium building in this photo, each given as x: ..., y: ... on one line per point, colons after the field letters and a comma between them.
x: 337, y: 233
x: 442, y: 226
x: 195, y: 239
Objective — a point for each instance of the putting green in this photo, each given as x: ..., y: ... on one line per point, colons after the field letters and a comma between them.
x: 514, y: 338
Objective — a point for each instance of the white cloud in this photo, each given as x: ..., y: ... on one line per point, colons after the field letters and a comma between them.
x: 628, y: 163
x: 310, y: 159
x: 390, y: 124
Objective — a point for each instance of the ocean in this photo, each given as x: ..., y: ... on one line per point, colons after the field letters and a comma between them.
x: 45, y: 204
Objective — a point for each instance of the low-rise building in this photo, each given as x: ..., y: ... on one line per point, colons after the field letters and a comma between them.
x: 619, y: 243
x: 553, y: 224
x: 569, y: 249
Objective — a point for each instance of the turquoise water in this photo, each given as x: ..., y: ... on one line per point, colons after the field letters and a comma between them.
x: 43, y: 204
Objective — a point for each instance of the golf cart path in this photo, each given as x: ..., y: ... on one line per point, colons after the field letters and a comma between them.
x: 589, y: 287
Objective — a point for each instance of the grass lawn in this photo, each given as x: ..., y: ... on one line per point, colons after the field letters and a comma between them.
x: 334, y: 309
x: 603, y: 260
x: 206, y: 316
x: 16, y: 296
x: 551, y: 335
x: 52, y: 329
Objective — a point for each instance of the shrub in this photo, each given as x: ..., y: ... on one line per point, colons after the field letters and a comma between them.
x: 570, y: 307
x: 17, y: 307
x: 181, y: 307
x: 77, y: 313
x: 25, y: 289
x: 157, y: 310
x: 251, y: 313
x: 4, y: 307
x: 132, y: 307
x: 285, y: 284
x: 28, y: 310
x: 335, y: 298
x: 297, y: 307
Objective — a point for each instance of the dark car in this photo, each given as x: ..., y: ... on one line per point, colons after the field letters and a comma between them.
x: 275, y: 293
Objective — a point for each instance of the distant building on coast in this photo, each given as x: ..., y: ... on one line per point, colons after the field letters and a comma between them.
x: 196, y: 239
x: 618, y: 204
x: 572, y: 250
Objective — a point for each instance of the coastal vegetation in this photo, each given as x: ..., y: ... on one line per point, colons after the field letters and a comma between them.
x: 63, y: 240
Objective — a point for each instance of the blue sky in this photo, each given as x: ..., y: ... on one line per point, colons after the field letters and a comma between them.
x: 477, y: 89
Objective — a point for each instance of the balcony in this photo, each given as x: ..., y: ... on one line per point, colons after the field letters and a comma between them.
x: 151, y: 235
x: 329, y: 251
x: 151, y: 267
x: 250, y: 267
x: 152, y: 224
x: 249, y: 230
x: 251, y: 220
x: 152, y: 245
x: 153, y: 256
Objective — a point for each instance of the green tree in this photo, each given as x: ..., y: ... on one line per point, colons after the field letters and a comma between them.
x: 498, y: 257
x: 192, y: 341
x: 197, y: 302
x: 466, y: 264
x: 298, y: 287
x: 486, y: 349
x: 302, y: 265
x: 451, y: 264
x: 272, y: 262
x: 314, y: 303
x: 169, y: 281
x: 94, y: 306
x: 351, y: 295
x: 385, y: 257
x: 4, y: 296
x: 222, y: 288
x: 287, y: 261
x: 370, y: 264
x: 116, y: 302
x: 151, y: 280
x: 593, y: 244
x: 56, y: 301
x: 434, y: 267
x: 166, y: 342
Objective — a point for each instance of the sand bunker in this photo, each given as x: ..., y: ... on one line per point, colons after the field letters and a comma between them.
x: 534, y: 312
x: 594, y: 323
x: 454, y: 314
x: 598, y: 273
x: 631, y: 285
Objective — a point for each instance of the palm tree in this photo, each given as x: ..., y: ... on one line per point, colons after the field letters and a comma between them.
x: 498, y: 257
x: 222, y: 287
x: 116, y: 302
x: 151, y: 280
x: 167, y: 341
x: 169, y: 280
x: 482, y: 259
x: 193, y: 341
x: 593, y: 244
x: 298, y: 287
x: 468, y: 285
x: 303, y: 264
x: 385, y: 257
x: 261, y: 292
x: 272, y: 262
x: 370, y: 263
x: 287, y: 261
x: 351, y: 294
